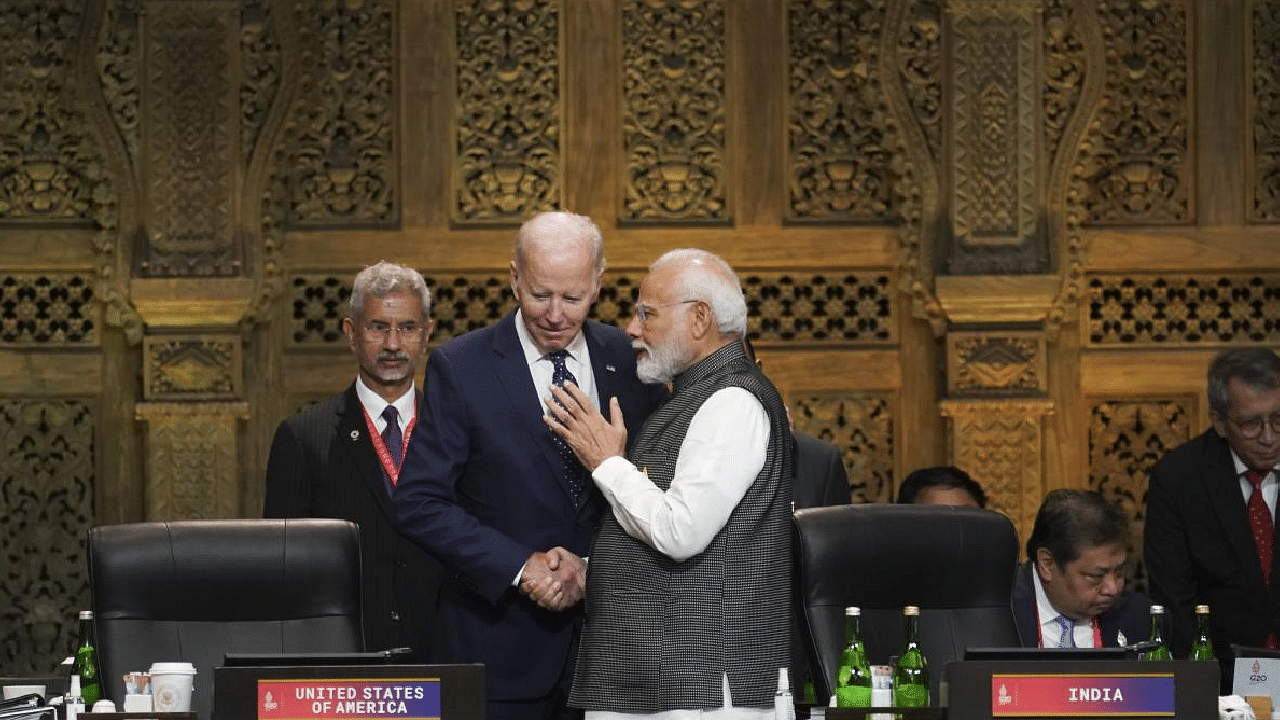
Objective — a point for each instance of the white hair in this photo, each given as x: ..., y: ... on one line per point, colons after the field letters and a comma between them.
x: 383, y: 277
x: 705, y: 277
x: 564, y: 226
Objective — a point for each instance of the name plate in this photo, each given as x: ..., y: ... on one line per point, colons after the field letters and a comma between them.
x: 1082, y: 695
x: 351, y: 699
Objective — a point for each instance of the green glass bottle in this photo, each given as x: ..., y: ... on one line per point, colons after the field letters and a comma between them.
x: 86, y: 665
x: 1202, y: 648
x: 911, y: 671
x: 1160, y: 651
x: 853, y: 678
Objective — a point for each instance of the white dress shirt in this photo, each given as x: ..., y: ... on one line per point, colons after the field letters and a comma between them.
x: 722, y: 453
x: 540, y: 368
x: 1270, y: 486
x: 1050, y: 630
x: 373, y: 403
x: 578, y: 362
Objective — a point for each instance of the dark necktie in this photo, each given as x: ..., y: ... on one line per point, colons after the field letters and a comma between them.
x: 573, y: 470
x: 391, y: 436
x: 1260, y: 521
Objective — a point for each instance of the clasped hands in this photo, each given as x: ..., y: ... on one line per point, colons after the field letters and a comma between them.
x: 555, y: 579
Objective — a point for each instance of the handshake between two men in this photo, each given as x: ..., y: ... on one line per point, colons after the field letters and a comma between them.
x: 555, y: 579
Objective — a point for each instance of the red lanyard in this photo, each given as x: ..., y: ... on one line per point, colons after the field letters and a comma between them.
x: 389, y: 466
x: 1097, y: 631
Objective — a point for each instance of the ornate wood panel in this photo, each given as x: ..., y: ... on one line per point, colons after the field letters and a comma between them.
x: 46, y: 508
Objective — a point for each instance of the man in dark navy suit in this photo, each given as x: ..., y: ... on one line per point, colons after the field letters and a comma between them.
x: 489, y: 490
x: 339, y: 458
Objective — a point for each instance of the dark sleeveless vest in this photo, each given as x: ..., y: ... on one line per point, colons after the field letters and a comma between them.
x: 660, y: 634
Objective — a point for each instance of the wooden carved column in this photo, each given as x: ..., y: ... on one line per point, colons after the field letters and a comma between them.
x: 1007, y: 274
x: 189, y: 286
x: 203, y: 84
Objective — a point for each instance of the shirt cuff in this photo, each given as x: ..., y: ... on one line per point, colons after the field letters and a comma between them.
x: 612, y: 468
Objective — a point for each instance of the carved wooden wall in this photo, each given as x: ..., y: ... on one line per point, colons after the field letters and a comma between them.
x: 1005, y: 234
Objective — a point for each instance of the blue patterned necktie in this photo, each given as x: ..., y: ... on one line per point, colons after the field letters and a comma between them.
x: 1068, y: 637
x: 391, y: 436
x: 573, y: 469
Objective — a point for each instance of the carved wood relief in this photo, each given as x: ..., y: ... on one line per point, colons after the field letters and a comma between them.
x: 190, y: 149
x: 1265, y: 108
x: 46, y: 158
x: 1142, y: 154
x: 999, y: 443
x: 1126, y: 438
x: 834, y: 308
x: 861, y: 425
x: 191, y: 464
x: 996, y: 363
x: 1173, y: 310
x: 46, y: 509
x: 54, y: 308
x: 996, y: 168
x: 673, y: 86
x: 906, y: 187
x: 508, y: 157
x: 342, y: 133
x: 839, y: 153
x: 192, y: 367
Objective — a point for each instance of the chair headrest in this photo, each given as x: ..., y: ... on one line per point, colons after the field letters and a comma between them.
x: 892, y: 555
x: 259, y: 569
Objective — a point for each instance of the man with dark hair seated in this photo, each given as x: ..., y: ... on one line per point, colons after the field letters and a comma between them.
x: 1070, y: 591
x: 944, y: 485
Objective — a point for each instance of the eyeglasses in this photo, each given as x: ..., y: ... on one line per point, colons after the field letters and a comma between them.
x: 1251, y: 428
x: 644, y: 312
x: 378, y: 331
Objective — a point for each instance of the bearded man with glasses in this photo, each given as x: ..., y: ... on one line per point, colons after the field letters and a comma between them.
x: 1211, y: 505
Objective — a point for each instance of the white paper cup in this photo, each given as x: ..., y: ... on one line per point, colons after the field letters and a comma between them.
x: 171, y: 685
x: 14, y: 691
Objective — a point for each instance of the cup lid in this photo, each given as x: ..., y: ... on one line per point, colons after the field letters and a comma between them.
x: 172, y: 668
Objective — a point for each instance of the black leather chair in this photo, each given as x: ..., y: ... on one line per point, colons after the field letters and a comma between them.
x: 192, y: 591
x: 957, y: 564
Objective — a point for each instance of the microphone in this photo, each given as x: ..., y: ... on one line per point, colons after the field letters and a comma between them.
x: 1142, y: 646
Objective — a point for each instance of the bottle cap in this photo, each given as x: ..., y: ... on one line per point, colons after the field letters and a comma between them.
x: 1202, y: 609
x: 784, y: 681
x: 911, y: 610
x: 853, y: 610
x: 86, y: 614
x: 1157, y: 609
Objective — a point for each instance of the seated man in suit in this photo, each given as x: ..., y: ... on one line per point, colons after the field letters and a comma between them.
x: 1070, y: 591
x: 340, y: 457
x: 943, y: 485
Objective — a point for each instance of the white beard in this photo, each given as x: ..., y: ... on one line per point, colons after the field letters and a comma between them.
x: 658, y: 365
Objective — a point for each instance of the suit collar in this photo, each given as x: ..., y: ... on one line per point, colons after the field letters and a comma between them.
x: 513, y: 374
x: 1222, y: 486
x: 1024, y: 606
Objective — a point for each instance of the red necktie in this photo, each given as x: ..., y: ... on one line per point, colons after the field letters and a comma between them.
x: 1260, y: 521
